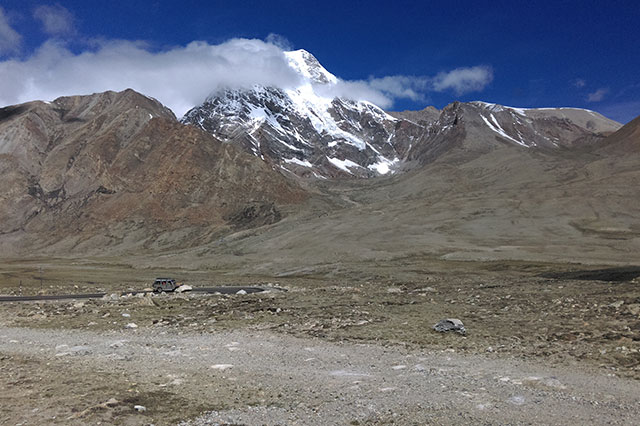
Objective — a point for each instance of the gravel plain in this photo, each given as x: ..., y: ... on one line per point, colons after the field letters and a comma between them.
x: 266, y: 378
x: 545, y: 344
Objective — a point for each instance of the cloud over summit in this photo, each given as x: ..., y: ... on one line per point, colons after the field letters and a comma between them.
x: 183, y: 76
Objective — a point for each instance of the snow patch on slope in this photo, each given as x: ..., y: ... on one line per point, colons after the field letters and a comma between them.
x: 307, y: 103
x: 298, y: 162
x: 343, y: 164
x: 523, y: 111
x: 500, y: 108
x: 383, y: 166
x: 496, y: 128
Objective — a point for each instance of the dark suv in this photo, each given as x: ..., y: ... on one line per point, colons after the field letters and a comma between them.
x: 164, y: 284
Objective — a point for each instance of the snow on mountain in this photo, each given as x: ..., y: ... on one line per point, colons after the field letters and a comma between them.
x: 304, y: 131
x: 309, y: 67
x: 311, y: 134
x: 543, y: 127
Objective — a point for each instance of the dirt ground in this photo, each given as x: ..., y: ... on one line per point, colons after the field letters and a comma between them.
x: 547, y: 323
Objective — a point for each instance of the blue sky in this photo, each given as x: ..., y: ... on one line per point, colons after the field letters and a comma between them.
x: 528, y: 54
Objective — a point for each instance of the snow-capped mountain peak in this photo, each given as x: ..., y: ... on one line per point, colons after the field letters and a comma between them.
x: 308, y: 66
x: 304, y: 129
x: 308, y: 131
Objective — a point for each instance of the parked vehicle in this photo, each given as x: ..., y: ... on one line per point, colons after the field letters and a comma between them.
x: 164, y: 284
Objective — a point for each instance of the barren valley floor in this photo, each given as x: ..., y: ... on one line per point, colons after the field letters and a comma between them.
x: 349, y: 344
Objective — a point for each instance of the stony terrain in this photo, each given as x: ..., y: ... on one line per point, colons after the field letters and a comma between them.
x: 546, y: 343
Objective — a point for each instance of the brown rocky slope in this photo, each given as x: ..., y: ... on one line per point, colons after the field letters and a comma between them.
x: 117, y: 169
x: 115, y: 173
x: 471, y: 195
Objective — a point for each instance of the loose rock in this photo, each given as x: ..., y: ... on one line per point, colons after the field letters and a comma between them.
x: 450, y: 324
x: 222, y: 366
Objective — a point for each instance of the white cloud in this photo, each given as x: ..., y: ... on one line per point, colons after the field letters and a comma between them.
x: 598, y: 95
x: 464, y: 80
x: 401, y: 86
x: 579, y: 83
x: 56, y: 20
x: 9, y: 39
x: 179, y: 78
x: 184, y: 76
x: 416, y: 88
x: 356, y: 90
x: 279, y: 40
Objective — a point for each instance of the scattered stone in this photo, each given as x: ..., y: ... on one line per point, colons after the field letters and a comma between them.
x: 222, y: 366
x: 108, y: 404
x: 233, y: 346
x: 140, y: 408
x: 516, y: 400
x: 126, y: 315
x: 346, y: 373
x: 617, y: 304
x: 552, y: 382
x: 241, y: 292
x: 183, y: 288
x: 394, y: 290
x: 634, y: 308
x: 450, y: 324
x: 112, y: 402
x: 131, y: 325
x: 425, y: 290
x: 147, y: 301
x: 80, y: 350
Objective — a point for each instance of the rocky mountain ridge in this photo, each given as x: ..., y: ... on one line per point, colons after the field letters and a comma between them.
x: 114, y: 167
x: 305, y: 131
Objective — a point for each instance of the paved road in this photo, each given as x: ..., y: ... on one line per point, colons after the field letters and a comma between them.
x: 221, y: 290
